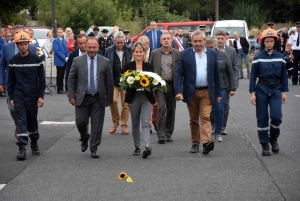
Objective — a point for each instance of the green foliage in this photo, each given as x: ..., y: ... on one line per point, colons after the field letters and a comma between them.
x: 10, y: 11
x: 79, y: 14
x: 248, y: 12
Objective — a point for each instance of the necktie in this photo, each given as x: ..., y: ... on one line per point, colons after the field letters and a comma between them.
x: 298, y: 40
x: 92, y: 77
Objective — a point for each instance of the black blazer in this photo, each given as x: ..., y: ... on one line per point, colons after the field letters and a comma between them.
x: 130, y: 93
x: 244, y: 44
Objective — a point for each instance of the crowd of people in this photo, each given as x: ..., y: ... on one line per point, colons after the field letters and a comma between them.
x: 202, y: 71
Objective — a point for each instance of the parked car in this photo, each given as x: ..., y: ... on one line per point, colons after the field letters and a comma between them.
x: 186, y: 26
x: 40, y: 33
x: 110, y: 29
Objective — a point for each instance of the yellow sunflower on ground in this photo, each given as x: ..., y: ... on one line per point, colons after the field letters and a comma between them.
x: 128, y: 73
x: 144, y: 82
x: 122, y: 176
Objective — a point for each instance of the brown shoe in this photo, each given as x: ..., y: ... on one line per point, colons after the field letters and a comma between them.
x: 241, y: 77
x: 125, y: 130
x: 113, y: 128
x: 248, y: 76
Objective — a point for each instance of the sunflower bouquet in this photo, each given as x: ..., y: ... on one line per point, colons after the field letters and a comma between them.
x: 132, y: 79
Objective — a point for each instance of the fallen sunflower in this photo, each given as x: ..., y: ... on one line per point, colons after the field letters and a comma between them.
x: 144, y: 82
x: 122, y: 176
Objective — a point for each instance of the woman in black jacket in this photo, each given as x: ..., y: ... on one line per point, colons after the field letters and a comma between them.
x: 140, y: 102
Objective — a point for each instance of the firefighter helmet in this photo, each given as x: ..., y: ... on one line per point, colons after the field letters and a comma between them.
x: 22, y: 37
x: 269, y: 33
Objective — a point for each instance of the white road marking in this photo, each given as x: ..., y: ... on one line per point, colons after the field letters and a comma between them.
x: 57, y: 122
x: 297, y: 95
x: 2, y: 186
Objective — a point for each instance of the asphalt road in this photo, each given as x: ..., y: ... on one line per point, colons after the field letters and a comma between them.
x: 235, y: 170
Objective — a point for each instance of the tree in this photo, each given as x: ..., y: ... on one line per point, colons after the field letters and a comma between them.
x: 9, y: 9
x: 79, y: 14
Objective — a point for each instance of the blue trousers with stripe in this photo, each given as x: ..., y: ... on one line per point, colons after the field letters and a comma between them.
x: 268, y: 101
x: 27, y: 122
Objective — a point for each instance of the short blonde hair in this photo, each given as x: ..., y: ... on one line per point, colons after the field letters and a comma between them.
x: 138, y: 44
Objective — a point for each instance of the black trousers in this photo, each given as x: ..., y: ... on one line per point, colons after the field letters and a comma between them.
x: 296, y: 54
x: 90, y: 107
x: 60, y: 77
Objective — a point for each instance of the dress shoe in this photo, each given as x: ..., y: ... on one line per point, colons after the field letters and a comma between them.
x: 137, y: 151
x: 265, y: 150
x: 84, y: 143
x: 34, y: 148
x: 161, y: 140
x: 241, y: 77
x: 294, y: 83
x: 125, y: 130
x: 113, y: 128
x: 207, y: 147
x: 94, y: 154
x: 3, y: 94
x: 147, y: 152
x: 61, y: 92
x: 169, y: 139
x: 275, y: 147
x: 195, y: 148
x: 22, y: 152
x: 248, y: 76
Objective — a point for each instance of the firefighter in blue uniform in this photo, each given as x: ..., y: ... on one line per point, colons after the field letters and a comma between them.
x: 269, y: 93
x: 26, y: 86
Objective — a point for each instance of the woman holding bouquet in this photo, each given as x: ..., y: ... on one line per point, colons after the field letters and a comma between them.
x: 139, y: 98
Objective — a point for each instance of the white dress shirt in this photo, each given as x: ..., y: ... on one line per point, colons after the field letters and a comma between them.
x: 293, y: 41
x: 238, y: 44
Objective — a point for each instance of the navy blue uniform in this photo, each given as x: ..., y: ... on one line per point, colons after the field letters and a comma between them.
x: 26, y: 84
x: 270, y: 69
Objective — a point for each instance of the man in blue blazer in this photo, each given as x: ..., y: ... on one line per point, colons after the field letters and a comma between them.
x: 154, y: 36
x: 8, y: 51
x: 198, y: 84
x: 60, y: 59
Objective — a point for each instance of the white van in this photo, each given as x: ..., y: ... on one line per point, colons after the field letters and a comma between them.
x: 232, y: 26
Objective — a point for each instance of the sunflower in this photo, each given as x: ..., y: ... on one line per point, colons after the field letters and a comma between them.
x: 122, y: 176
x: 128, y: 73
x: 144, y: 82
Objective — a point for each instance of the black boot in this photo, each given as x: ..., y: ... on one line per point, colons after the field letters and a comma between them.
x: 22, y: 152
x: 35, y: 148
x: 274, y: 144
x: 266, y: 150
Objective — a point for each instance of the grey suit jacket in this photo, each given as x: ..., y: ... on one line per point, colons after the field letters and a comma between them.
x: 230, y: 51
x: 155, y: 60
x: 185, y: 43
x: 78, y: 80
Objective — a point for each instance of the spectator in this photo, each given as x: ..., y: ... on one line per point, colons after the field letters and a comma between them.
x: 68, y: 32
x: 71, y: 43
x: 242, y: 48
x: 48, y: 43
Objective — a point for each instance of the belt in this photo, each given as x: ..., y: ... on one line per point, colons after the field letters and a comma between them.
x: 201, y: 88
x: 267, y: 84
x: 169, y: 81
x: 97, y: 94
x: 296, y: 50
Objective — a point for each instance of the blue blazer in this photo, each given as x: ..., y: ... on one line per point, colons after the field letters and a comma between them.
x: 8, y: 51
x: 186, y: 75
x: 60, y: 52
x: 158, y: 34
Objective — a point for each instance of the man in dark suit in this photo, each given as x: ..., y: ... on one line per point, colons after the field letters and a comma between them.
x: 61, y: 55
x: 232, y: 54
x: 154, y: 36
x: 81, y: 43
x: 104, y: 41
x: 180, y: 43
x: 164, y: 61
x: 198, y: 85
x: 242, y: 48
x: 90, y: 91
x: 9, y: 50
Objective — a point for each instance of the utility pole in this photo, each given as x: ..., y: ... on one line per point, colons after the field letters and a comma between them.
x: 54, y: 18
x: 217, y: 10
